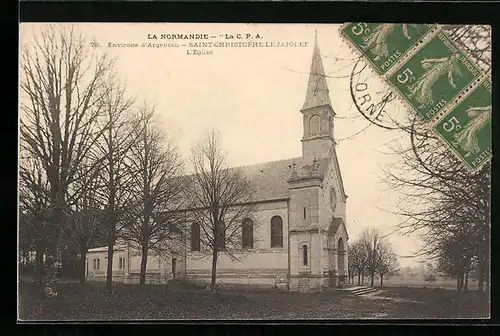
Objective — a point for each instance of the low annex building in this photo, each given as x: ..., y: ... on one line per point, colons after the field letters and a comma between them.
x: 301, y: 240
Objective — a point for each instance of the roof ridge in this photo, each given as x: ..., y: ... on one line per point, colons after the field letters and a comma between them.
x: 269, y: 162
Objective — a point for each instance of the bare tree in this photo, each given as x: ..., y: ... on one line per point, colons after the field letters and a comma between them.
x: 219, y: 198
x: 456, y: 256
x: 119, y: 132
x: 157, y: 188
x: 441, y: 199
x: 34, y: 202
x: 373, y: 255
x: 387, y: 261
x: 63, y: 82
x: 84, y: 221
x: 357, y: 259
x: 371, y: 240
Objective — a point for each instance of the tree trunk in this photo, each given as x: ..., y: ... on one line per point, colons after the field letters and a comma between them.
x: 359, y: 278
x: 109, y: 269
x: 214, y: 269
x: 460, y: 282
x: 381, y: 279
x: 372, y: 279
x: 480, y: 280
x: 110, y: 215
x: 144, y: 265
x: 39, y: 266
x: 52, y: 244
x: 466, y: 281
x: 362, y: 278
x: 83, y: 262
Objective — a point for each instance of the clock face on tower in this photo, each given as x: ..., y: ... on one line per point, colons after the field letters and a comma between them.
x: 333, y: 198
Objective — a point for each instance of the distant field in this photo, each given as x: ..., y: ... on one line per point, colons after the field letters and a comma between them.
x: 419, y: 282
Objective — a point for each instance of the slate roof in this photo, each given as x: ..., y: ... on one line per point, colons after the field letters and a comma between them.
x: 317, y: 88
x: 270, y: 178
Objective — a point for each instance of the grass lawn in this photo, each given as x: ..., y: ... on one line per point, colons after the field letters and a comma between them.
x: 134, y: 302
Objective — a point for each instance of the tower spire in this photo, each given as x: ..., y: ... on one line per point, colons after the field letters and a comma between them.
x: 317, y: 88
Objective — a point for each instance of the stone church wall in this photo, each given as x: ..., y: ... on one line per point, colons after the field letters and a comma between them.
x: 261, y: 266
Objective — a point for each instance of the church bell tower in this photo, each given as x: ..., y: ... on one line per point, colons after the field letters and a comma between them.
x: 318, y: 114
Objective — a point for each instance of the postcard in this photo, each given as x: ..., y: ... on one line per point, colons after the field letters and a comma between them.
x: 223, y: 171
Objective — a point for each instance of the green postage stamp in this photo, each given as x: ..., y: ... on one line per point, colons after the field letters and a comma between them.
x: 383, y: 44
x: 432, y: 77
x: 435, y: 79
x: 466, y: 127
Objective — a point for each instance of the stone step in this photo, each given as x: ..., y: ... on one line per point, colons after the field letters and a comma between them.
x: 354, y: 288
x: 362, y: 291
x: 359, y: 290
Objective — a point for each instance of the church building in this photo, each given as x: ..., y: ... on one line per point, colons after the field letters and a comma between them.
x: 300, y: 242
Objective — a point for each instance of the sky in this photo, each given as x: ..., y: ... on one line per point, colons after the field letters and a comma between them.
x: 253, y: 97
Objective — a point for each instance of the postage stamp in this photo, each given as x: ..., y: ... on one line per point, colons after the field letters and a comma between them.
x: 431, y: 78
x: 383, y: 44
x: 466, y: 127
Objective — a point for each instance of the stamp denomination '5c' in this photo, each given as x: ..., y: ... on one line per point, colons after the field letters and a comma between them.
x: 434, y: 76
x: 467, y: 127
x: 383, y: 44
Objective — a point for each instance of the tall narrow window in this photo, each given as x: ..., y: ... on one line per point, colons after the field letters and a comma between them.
x: 304, y: 211
x: 122, y: 263
x: 195, y: 237
x: 276, y: 232
x: 98, y: 263
x: 304, y: 255
x: 94, y: 263
x: 247, y: 233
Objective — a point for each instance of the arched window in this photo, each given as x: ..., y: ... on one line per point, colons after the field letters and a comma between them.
x: 276, y: 232
x: 195, y: 237
x: 315, y: 125
x: 247, y: 233
x: 304, y: 255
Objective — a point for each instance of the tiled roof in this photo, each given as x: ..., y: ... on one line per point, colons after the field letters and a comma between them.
x: 270, y: 178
